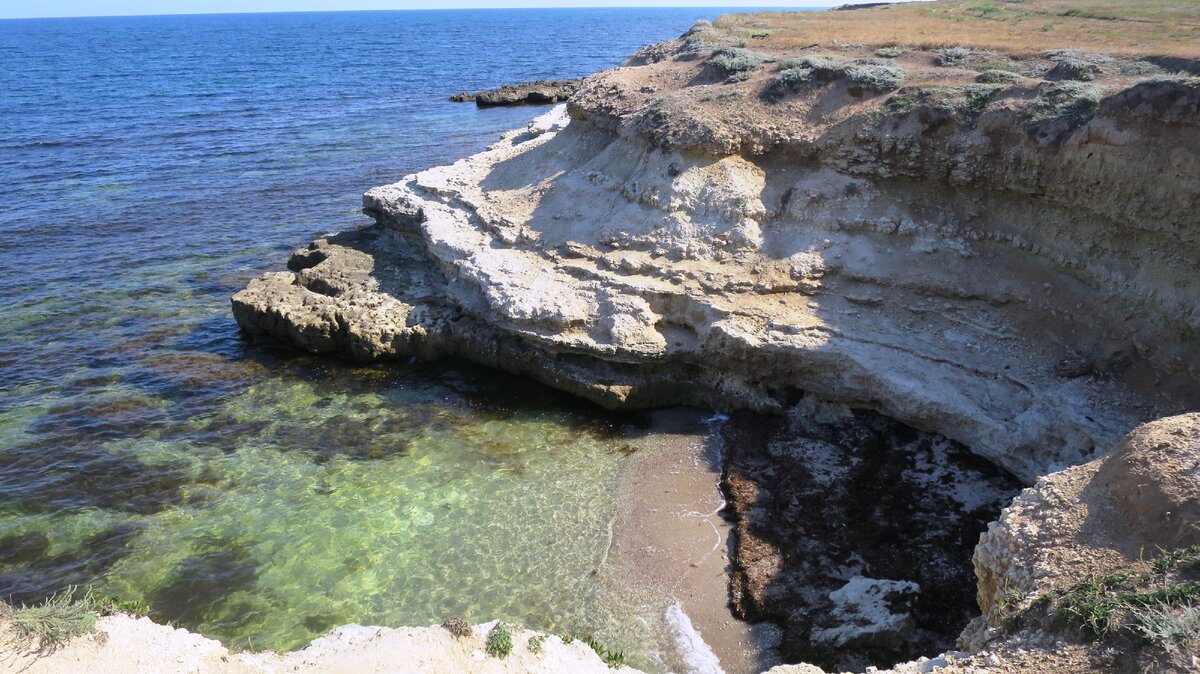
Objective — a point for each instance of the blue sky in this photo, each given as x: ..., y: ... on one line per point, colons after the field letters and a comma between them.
x: 10, y: 9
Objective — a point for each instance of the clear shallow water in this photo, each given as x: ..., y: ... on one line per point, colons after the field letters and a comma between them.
x: 148, y: 168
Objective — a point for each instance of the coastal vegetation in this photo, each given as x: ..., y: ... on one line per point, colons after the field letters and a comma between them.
x: 1154, y: 602
x: 499, y: 640
x: 46, y: 626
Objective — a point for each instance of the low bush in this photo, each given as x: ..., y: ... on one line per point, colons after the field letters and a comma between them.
x: 499, y: 641
x: 611, y: 658
x: 458, y: 627
x: 874, y: 74
x: 1074, y: 69
x: 736, y: 64
x: 969, y: 100
x: 1160, y: 605
x: 1166, y: 626
x: 892, y: 51
x: 1140, y: 68
x: 997, y: 77
x: 876, y: 77
x: 1186, y: 79
x: 1074, y: 102
x: 950, y: 57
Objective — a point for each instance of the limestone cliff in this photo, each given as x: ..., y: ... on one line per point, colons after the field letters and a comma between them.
x: 1024, y: 285
x: 997, y: 248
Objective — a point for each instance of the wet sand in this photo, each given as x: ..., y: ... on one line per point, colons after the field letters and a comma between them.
x: 671, y: 541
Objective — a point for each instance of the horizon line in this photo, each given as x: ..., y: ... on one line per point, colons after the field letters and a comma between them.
x: 804, y: 7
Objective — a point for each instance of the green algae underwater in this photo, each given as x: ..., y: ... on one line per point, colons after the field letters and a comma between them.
x: 329, y: 495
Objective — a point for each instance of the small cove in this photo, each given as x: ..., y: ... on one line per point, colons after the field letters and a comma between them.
x: 259, y: 496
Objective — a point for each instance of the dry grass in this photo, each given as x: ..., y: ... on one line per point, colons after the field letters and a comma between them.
x: 43, y: 628
x: 1023, y: 27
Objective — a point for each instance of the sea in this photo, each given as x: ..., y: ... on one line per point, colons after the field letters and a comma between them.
x: 152, y: 456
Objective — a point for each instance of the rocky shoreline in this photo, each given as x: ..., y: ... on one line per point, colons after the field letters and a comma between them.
x: 1017, y: 280
x: 540, y: 92
x: 869, y: 261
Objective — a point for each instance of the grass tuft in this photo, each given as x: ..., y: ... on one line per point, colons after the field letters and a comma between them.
x: 45, y: 627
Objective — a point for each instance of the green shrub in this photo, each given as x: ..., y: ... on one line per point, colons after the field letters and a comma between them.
x: 535, y: 643
x: 736, y: 64
x: 997, y: 77
x: 1167, y: 626
x: 876, y: 77
x: 1074, y: 69
x: 823, y: 62
x: 1186, y: 79
x: 968, y: 100
x: 611, y: 658
x: 950, y: 57
x: 1161, y: 605
x: 1074, y: 102
x: 499, y: 641
x: 787, y: 81
x: 892, y: 52
x: 1140, y: 68
x: 874, y: 74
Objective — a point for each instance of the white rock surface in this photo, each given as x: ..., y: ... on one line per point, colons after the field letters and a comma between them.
x: 865, y: 610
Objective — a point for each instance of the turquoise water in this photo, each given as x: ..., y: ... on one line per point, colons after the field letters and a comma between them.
x: 149, y: 167
x: 320, y: 494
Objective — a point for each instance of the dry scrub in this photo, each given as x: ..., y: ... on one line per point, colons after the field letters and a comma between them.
x: 1157, y: 27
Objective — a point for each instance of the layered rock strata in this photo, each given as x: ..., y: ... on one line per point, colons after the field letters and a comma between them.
x: 1028, y: 292
x: 1011, y: 268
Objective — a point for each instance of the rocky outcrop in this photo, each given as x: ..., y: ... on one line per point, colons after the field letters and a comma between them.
x: 1142, y: 498
x: 1009, y: 265
x: 1027, y: 292
x: 540, y: 92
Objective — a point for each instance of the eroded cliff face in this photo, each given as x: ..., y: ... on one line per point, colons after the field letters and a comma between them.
x: 1024, y: 285
x: 1009, y: 265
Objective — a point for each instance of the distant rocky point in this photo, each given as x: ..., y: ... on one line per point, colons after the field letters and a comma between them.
x: 528, y: 93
